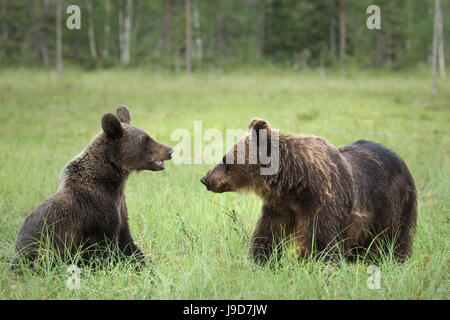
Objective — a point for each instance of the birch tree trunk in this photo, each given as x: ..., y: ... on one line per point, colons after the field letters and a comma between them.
x: 435, y: 47
x: 59, y: 63
x: 39, y: 15
x: 127, y: 31
x: 441, y: 44
x: 107, y: 28
x: 125, y: 23
x: 342, y: 36
x: 198, y: 40
x: 120, y: 31
x: 188, y: 36
x: 91, y: 32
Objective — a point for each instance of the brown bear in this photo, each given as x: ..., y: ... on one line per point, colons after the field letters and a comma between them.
x: 88, y: 210
x: 355, y: 200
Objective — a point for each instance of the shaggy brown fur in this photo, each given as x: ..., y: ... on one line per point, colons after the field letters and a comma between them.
x: 329, y: 200
x: 89, y: 210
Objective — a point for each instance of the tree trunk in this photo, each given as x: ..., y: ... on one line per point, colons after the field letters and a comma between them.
x: 120, y: 31
x: 198, y: 40
x: 378, y: 50
x: 43, y: 35
x: 107, y: 28
x: 333, y: 36
x: 435, y: 47
x: 188, y: 36
x: 389, y: 50
x: 91, y: 32
x: 5, y: 33
x: 59, y: 63
x: 127, y: 31
x: 137, y: 14
x: 44, y: 53
x: 266, y: 30
x: 342, y: 35
x: 34, y: 27
x: 125, y: 22
x: 219, y: 32
x: 167, y: 24
x: 441, y: 44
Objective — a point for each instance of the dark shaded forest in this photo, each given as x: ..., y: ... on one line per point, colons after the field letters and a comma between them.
x: 199, y: 34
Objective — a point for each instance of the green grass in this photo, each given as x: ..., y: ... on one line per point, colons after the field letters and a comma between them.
x: 198, y: 251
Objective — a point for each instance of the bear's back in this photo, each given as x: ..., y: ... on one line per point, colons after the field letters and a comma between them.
x: 387, y: 158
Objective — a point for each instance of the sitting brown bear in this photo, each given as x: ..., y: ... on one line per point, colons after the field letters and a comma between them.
x: 329, y: 200
x: 88, y: 210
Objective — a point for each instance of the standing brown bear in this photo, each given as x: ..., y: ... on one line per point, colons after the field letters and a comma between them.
x: 355, y: 200
x: 88, y: 210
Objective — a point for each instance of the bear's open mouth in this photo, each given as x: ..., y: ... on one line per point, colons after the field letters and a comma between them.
x: 159, y: 163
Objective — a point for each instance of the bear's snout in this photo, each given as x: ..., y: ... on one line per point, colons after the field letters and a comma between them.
x: 208, y: 183
x: 169, y: 152
x: 203, y: 180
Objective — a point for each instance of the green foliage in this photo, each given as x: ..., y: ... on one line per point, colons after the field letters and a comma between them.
x: 231, y: 33
x: 297, y: 28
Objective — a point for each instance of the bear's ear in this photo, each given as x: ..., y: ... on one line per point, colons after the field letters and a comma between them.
x: 254, y: 128
x: 123, y: 113
x: 257, y: 124
x: 263, y: 140
x: 111, y: 126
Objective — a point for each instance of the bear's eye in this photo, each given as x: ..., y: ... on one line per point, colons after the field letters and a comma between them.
x: 146, y: 140
x: 224, y: 161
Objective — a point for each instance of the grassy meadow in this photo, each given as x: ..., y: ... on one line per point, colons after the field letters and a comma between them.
x: 197, y: 240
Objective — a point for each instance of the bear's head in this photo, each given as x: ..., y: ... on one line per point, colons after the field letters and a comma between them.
x: 131, y: 147
x: 241, y: 167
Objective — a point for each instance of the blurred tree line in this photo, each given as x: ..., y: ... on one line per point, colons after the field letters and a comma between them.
x: 185, y: 34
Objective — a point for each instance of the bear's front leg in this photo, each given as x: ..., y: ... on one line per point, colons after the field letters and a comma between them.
x: 126, y: 243
x: 268, y: 234
x: 262, y: 243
